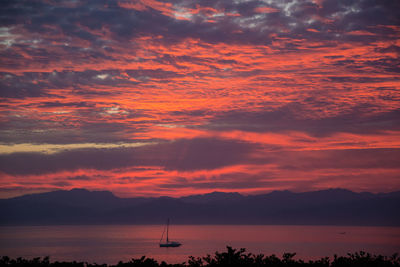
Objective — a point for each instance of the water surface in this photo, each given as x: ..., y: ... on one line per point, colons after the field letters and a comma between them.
x: 112, y: 243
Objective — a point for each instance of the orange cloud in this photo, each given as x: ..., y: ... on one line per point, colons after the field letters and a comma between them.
x: 265, y: 9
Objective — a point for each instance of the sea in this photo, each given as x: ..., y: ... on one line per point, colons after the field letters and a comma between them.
x: 113, y: 243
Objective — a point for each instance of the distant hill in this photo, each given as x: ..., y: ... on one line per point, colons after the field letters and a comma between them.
x: 325, y: 207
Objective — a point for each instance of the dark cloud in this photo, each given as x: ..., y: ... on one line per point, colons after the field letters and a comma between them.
x: 28, y: 130
x: 38, y: 84
x: 388, y: 64
x: 85, y: 19
x: 202, y: 154
x: 366, y: 79
x: 289, y: 118
x: 381, y: 158
x: 43, y: 32
x: 193, y: 113
x: 303, y: 163
x: 389, y: 49
x: 194, y: 154
x: 13, y: 86
x: 57, y: 104
x: 143, y: 74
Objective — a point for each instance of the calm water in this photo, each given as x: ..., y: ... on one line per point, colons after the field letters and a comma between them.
x: 110, y: 244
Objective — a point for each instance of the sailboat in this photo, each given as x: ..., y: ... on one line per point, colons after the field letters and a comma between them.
x: 168, y: 243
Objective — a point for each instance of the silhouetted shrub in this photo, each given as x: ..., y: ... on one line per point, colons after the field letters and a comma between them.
x: 232, y: 257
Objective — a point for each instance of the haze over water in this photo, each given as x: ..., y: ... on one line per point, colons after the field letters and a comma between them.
x: 113, y: 243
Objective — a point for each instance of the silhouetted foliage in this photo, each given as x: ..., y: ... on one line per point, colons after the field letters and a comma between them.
x: 232, y: 257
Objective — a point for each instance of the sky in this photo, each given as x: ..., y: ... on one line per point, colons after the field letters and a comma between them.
x: 180, y: 97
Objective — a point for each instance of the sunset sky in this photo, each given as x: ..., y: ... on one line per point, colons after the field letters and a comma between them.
x: 179, y: 97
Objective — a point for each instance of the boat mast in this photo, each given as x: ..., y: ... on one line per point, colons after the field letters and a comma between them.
x: 167, y: 230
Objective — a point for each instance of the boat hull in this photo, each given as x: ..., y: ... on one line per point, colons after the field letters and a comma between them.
x: 172, y: 245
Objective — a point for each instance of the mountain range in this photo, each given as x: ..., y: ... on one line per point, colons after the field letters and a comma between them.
x: 325, y: 207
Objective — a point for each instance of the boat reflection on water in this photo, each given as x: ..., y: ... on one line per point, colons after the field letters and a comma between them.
x: 168, y: 243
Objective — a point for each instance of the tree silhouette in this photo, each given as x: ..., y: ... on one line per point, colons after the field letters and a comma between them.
x: 232, y: 257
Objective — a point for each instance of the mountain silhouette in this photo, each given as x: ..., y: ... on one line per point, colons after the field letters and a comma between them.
x: 325, y: 207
